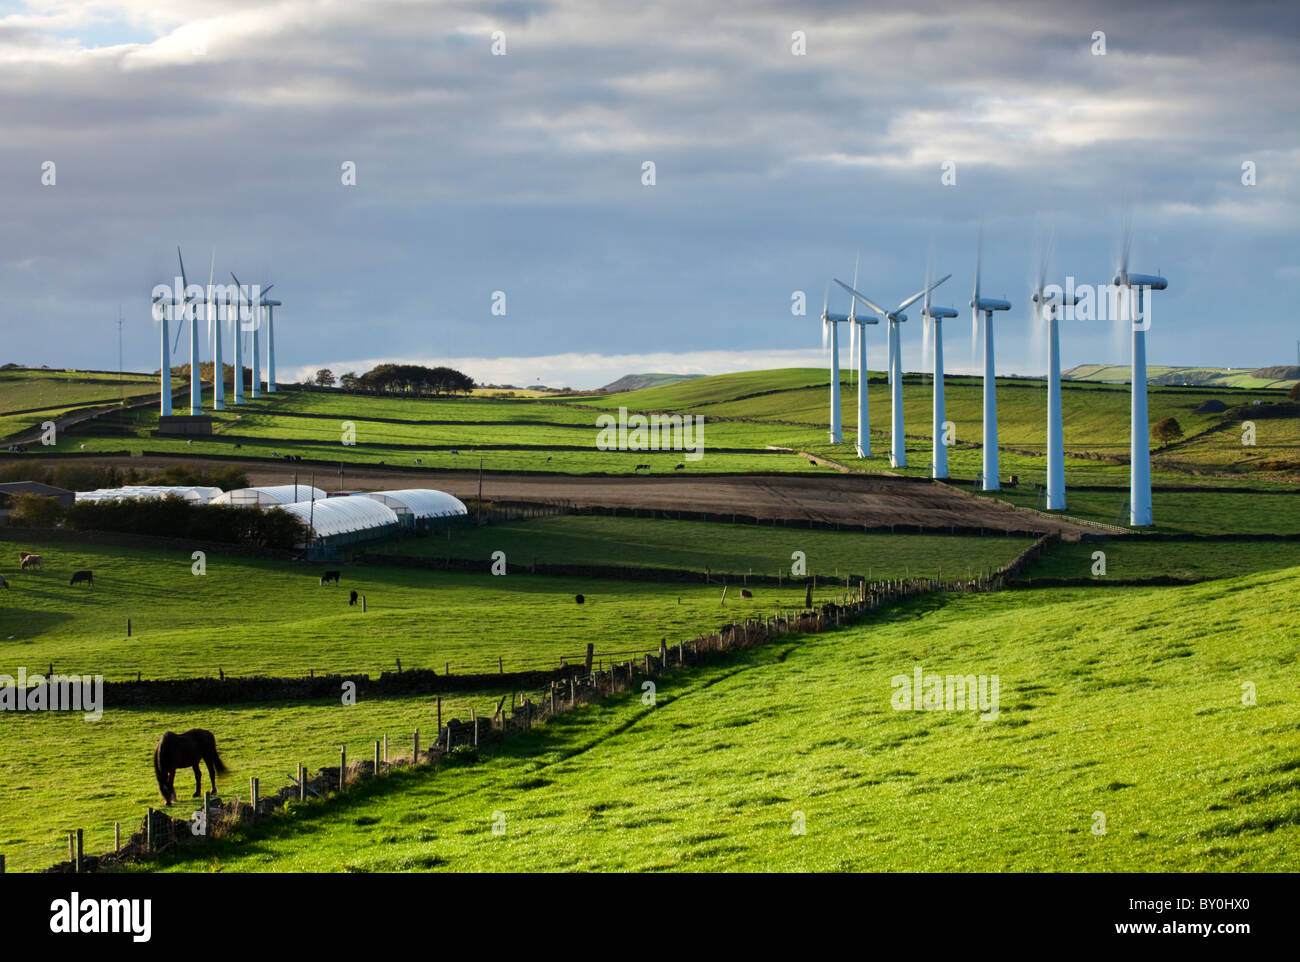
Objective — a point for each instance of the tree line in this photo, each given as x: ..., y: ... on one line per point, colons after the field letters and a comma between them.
x: 400, y: 379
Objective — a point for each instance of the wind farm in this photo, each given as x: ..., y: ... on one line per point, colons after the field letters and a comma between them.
x: 494, y: 505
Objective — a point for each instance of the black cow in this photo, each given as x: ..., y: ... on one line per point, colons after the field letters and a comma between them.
x: 352, y: 598
x: 746, y: 593
x: 79, y: 576
x: 3, y: 583
x: 579, y: 599
x: 329, y: 576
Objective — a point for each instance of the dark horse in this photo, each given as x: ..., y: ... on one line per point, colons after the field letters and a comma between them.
x: 186, y: 750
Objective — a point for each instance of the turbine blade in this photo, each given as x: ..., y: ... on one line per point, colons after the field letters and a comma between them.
x: 879, y: 310
x: 919, y: 294
x: 853, y: 303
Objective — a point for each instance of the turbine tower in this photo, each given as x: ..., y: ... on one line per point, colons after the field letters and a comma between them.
x: 898, y: 451
x: 986, y: 306
x: 212, y: 310
x: 160, y: 308
x: 831, y: 331
x: 237, y: 383
x: 1139, y: 495
x: 934, y: 321
x: 270, y: 304
x: 1047, y: 306
x: 858, y: 331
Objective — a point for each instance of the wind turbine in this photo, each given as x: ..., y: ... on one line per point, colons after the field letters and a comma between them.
x: 255, y: 312
x: 986, y: 306
x: 1048, y: 307
x: 237, y: 383
x: 898, y: 451
x: 165, y: 353
x: 829, y: 330
x: 270, y: 304
x: 1139, y: 495
x: 934, y: 320
x: 214, y: 331
x: 858, y: 330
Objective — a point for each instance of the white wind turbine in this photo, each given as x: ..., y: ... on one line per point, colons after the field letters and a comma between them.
x: 1048, y: 302
x: 830, y: 334
x: 1139, y: 498
x: 898, y: 450
x: 256, y: 302
x: 210, y: 308
x: 933, y: 317
x: 160, y: 309
x: 858, y: 333
x: 986, y: 306
x: 270, y: 304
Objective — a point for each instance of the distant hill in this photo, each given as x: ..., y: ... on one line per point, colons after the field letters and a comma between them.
x: 637, y: 382
x: 1275, y: 377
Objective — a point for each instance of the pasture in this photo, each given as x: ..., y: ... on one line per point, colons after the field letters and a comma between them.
x: 731, y: 549
x: 1128, y: 558
x: 1113, y: 703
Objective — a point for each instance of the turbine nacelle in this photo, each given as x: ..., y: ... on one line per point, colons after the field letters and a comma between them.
x: 939, y: 313
x: 990, y: 304
x: 1153, y: 281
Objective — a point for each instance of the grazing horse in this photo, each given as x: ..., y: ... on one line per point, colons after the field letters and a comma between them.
x: 329, y: 576
x: 31, y: 561
x: 79, y: 576
x: 186, y: 750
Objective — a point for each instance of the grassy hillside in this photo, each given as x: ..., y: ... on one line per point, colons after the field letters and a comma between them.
x: 1112, y: 705
x: 1235, y: 377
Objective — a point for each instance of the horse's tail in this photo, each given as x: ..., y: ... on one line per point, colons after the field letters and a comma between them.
x: 217, y: 763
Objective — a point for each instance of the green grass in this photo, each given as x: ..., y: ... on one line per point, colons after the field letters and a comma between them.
x: 1111, y: 702
x: 1183, y: 512
x: 1135, y: 558
x: 59, y: 772
x: 45, y: 395
x: 723, y: 548
x: 250, y: 617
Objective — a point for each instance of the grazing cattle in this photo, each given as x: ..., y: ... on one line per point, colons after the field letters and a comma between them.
x: 679, y: 465
x: 79, y: 576
x: 548, y: 458
x: 3, y: 583
x: 1013, y: 480
x: 238, y: 445
x: 642, y: 467
x: 579, y: 599
x: 746, y: 593
x: 812, y: 461
x: 186, y: 750
x: 23, y: 556
x: 454, y: 451
x: 352, y: 598
x: 329, y: 576
x: 32, y: 561
x: 419, y: 460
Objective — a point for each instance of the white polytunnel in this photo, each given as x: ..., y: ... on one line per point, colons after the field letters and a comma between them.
x: 195, y: 494
x: 344, y: 520
x: 270, y: 495
x: 420, y: 504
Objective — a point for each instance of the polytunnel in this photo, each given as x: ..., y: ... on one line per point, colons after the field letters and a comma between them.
x: 420, y: 507
x: 195, y: 494
x: 340, y: 521
x: 270, y: 495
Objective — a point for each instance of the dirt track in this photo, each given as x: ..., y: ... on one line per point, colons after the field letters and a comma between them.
x: 846, y: 499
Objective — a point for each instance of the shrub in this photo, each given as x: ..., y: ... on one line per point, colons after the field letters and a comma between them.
x: 36, y: 511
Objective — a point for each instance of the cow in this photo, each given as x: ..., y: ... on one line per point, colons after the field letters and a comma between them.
x: 579, y: 599
x: 329, y: 576
x: 642, y: 467
x: 746, y: 593
x: 352, y: 598
x: 680, y: 465
x: 32, y: 561
x: 3, y: 583
x: 79, y: 576
x: 23, y: 556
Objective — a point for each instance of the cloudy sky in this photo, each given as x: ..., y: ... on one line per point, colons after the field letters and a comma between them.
x: 227, y: 125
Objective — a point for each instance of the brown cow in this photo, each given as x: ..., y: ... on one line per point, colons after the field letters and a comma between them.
x: 32, y: 561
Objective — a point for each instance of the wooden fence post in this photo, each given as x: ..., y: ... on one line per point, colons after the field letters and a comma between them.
x: 573, y: 691
x: 473, y: 717
x: 302, y: 783
x: 343, y: 767
x: 663, y: 652
x: 439, y: 714
x: 376, y: 768
x: 77, y: 867
x: 590, y: 651
x: 148, y: 830
x: 117, y: 837
x: 253, y: 793
x: 2, y: 865
x: 72, y: 850
x: 205, y: 814
x: 385, y: 748
x: 416, y: 757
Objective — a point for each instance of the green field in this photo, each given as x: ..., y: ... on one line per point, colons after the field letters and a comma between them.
x: 250, y: 617
x: 735, y: 549
x: 1128, y: 558
x: 1183, y: 512
x: 1111, y: 703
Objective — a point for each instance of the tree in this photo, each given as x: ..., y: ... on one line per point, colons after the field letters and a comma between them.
x: 1294, y: 393
x: 350, y: 381
x: 1166, y: 430
x: 325, y: 377
x: 36, y: 511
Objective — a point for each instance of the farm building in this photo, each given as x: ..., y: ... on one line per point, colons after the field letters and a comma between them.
x: 338, y: 522
x: 271, y: 495
x: 421, y: 507
x: 195, y: 494
x: 10, y: 490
